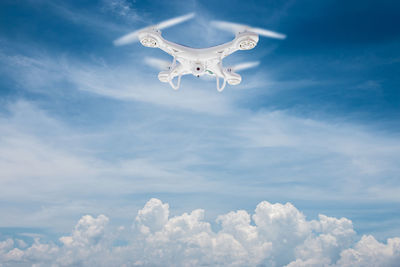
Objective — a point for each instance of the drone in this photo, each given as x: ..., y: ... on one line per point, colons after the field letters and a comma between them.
x: 199, y: 62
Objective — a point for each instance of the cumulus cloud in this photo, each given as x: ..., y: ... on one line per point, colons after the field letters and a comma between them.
x: 274, y: 235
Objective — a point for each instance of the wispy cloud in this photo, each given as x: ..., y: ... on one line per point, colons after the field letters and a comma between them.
x: 46, y: 73
x: 277, y: 152
x: 99, y: 20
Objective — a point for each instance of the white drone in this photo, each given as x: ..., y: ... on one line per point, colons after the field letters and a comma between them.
x: 198, y: 61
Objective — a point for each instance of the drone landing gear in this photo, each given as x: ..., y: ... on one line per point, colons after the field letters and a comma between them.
x: 220, y: 89
x: 175, y: 87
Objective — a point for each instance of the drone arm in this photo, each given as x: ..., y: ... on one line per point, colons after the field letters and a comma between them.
x: 229, y: 49
x: 245, y: 40
x: 168, y: 47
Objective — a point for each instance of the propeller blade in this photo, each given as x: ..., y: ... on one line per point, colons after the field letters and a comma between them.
x: 268, y: 33
x: 228, y: 26
x: 128, y: 38
x: 245, y: 65
x: 171, y: 22
x: 157, y: 63
x: 133, y: 36
x: 235, y: 28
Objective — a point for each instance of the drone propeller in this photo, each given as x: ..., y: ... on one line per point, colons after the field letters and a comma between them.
x: 245, y: 66
x: 133, y: 36
x: 157, y: 63
x: 235, y: 28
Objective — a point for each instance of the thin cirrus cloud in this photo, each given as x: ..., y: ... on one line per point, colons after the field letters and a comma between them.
x: 63, y: 162
x: 45, y: 73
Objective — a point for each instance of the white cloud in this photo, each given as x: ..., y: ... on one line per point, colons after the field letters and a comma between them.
x: 6, y: 245
x: 87, y: 231
x: 370, y: 252
x: 278, y: 235
x: 153, y: 216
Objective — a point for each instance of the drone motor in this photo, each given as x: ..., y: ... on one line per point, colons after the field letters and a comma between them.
x: 149, y: 41
x: 247, y: 40
x: 247, y: 44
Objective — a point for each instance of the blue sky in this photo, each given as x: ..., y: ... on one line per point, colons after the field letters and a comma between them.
x: 87, y: 128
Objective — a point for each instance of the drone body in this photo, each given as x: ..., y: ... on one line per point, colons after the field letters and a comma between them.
x: 198, y: 61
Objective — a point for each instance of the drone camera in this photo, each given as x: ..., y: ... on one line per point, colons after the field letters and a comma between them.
x: 198, y: 69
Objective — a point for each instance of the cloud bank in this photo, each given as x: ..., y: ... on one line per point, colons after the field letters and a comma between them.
x: 274, y: 235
